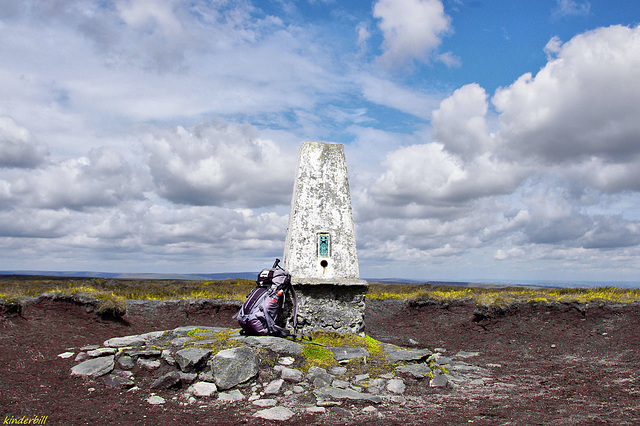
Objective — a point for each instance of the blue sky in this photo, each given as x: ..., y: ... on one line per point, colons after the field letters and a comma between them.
x: 494, y: 140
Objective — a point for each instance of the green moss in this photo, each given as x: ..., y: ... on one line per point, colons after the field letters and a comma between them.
x: 317, y: 356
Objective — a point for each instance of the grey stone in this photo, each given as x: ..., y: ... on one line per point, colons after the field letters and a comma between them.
x: 191, y: 359
x: 338, y: 371
x: 396, y: 386
x: 232, y: 396
x: 101, y: 352
x: 117, y: 381
x: 410, y: 355
x: 89, y: 347
x: 297, y: 389
x: 121, y: 342
x: 168, y: 380
x: 66, y: 355
x: 155, y: 400
x: 341, y: 384
x: 206, y: 376
x: 149, y: 364
x: 341, y: 412
x: 439, y: 359
x: 439, y: 381
x: 335, y: 393
x: 361, y: 377
x: 126, y: 362
x: 234, y: 366
x: 416, y: 371
x: 465, y: 354
x: 276, y: 344
x: 291, y: 374
x: 202, y: 389
x: 342, y: 353
x: 275, y: 414
x: 81, y: 357
x: 286, y: 360
x: 267, y: 402
x: 167, y: 357
x: 145, y: 353
x: 94, y: 367
x: 316, y: 410
x: 180, y: 331
x: 319, y: 377
x: 187, y: 377
x: 273, y: 388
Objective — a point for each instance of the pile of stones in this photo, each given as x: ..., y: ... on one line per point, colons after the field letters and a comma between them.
x: 270, y: 372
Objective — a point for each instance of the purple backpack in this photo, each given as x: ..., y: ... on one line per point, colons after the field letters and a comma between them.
x: 263, y: 309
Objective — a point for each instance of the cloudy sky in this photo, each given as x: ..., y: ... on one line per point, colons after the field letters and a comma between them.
x: 486, y: 139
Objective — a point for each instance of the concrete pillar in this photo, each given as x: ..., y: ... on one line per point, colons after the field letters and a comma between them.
x: 320, y: 249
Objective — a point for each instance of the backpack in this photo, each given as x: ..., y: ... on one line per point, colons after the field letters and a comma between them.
x: 264, y: 306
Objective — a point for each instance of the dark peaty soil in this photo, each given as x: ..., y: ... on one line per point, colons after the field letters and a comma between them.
x: 550, y: 364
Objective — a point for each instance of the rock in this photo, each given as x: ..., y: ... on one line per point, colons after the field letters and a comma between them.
x: 168, y: 380
x: 439, y: 381
x: 439, y: 359
x: 232, y: 396
x: 167, y: 357
x: 102, y: 352
x: 465, y: 354
x: 396, y: 386
x: 339, y: 411
x: 191, y: 359
x: 65, y: 355
x: 206, y: 376
x: 145, y: 353
x: 340, y: 384
x: 126, y: 362
x: 120, y: 342
x: 94, y: 367
x: 276, y: 344
x: 155, y: 400
x: 338, y: 371
x: 319, y: 377
x: 117, y: 381
x: 342, y: 353
x: 269, y: 402
x: 416, y: 371
x: 361, y: 377
x: 81, y: 357
x: 275, y: 414
x: 316, y: 410
x: 335, y: 393
x: 234, y: 366
x: 187, y: 377
x: 202, y: 389
x: 286, y: 360
x: 291, y: 374
x: 395, y: 354
x: 273, y: 388
x: 89, y: 347
x: 149, y: 364
x: 297, y: 389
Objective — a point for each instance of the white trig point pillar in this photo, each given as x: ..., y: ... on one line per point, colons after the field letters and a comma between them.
x: 320, y: 249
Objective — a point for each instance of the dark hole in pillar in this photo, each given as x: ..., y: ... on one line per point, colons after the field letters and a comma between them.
x: 324, y: 263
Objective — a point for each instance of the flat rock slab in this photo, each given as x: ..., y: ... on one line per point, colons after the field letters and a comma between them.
x: 202, y: 389
x: 121, y: 342
x: 276, y: 344
x: 232, y: 396
x: 394, y: 354
x: 168, y: 380
x: 94, y: 367
x: 416, y: 371
x: 335, y: 393
x: 275, y: 414
x: 342, y: 353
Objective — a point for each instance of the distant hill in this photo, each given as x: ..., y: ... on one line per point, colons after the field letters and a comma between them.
x: 136, y: 276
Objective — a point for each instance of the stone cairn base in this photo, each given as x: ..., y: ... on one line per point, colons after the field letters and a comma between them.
x: 329, y: 307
